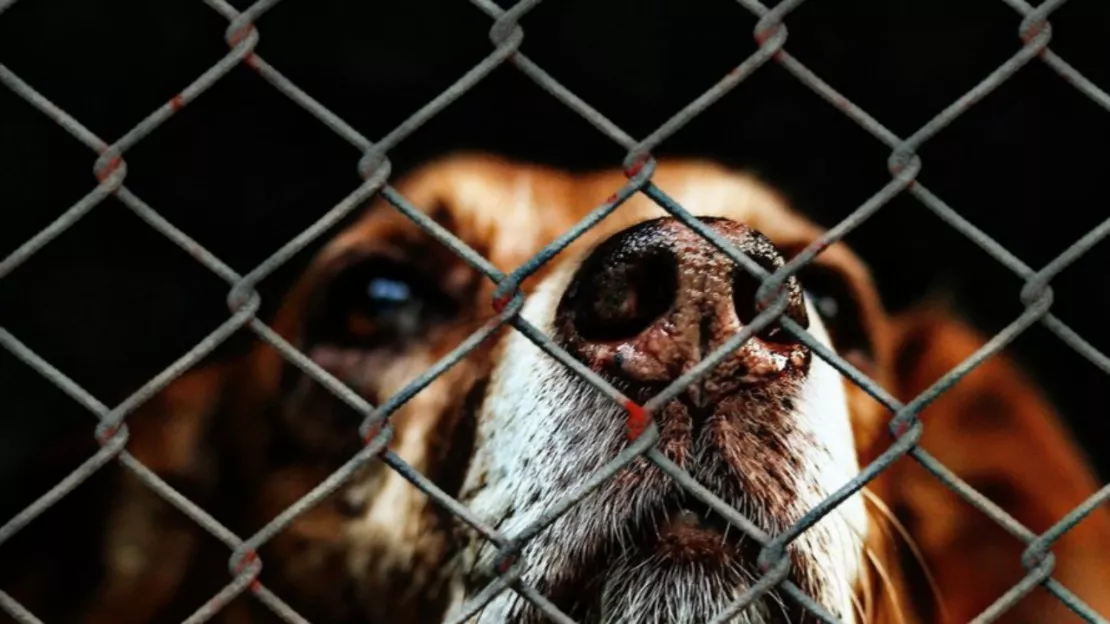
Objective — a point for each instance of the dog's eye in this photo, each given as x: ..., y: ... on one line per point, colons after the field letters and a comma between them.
x: 835, y: 300
x: 378, y: 301
x: 386, y: 295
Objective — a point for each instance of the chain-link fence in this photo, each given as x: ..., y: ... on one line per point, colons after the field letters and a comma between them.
x: 506, y: 35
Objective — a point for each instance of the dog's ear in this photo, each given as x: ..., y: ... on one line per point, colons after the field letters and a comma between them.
x: 148, y: 546
x: 167, y: 431
x: 995, y: 430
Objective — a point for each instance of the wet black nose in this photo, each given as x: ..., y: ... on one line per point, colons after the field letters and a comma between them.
x: 653, y: 300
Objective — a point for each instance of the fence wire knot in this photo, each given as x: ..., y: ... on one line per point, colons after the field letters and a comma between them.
x: 239, y: 30
x: 110, y: 165
x: 374, y: 164
x: 112, y: 434
x: 770, y: 32
x: 1037, y: 557
x: 904, y: 165
x: 906, y: 425
x: 1035, y: 30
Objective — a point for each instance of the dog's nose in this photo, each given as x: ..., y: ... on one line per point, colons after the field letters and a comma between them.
x: 653, y: 300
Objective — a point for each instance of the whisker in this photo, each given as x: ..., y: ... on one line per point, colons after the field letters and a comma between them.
x: 859, y: 608
x: 867, y: 587
x: 915, y: 550
x: 782, y: 607
x: 885, y: 578
x: 865, y: 610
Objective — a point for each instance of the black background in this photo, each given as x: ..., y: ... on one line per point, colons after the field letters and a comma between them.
x: 243, y: 168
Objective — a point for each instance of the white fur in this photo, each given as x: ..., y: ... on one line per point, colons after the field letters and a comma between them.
x: 540, y: 436
x: 384, y: 521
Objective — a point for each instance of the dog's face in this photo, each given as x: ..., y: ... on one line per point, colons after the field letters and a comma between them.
x: 510, y: 432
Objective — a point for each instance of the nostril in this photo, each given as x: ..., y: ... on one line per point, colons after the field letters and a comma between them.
x: 745, y: 288
x: 619, y: 296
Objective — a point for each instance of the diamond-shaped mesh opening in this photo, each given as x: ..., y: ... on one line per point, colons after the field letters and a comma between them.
x: 73, y: 524
x: 1075, y: 384
x: 1073, y: 43
x: 101, y: 289
x: 1028, y: 150
x: 155, y: 547
x: 566, y: 36
x: 1080, y: 287
x: 42, y: 150
x: 505, y: 113
x: 957, y: 44
x: 134, y: 56
x: 409, y: 34
x: 195, y: 170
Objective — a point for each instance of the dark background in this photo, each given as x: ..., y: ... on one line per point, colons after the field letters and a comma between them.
x: 243, y: 168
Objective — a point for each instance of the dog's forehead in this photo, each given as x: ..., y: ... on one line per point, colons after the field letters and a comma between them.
x: 502, y: 211
x: 508, y: 211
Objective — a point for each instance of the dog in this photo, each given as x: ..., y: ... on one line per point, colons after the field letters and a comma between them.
x: 510, y: 432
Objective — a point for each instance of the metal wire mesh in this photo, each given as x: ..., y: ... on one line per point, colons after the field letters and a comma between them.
x: 506, y: 35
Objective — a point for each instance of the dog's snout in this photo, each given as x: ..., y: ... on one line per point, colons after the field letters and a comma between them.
x: 654, y: 300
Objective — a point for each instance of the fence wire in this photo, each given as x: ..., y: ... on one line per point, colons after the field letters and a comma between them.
x: 506, y: 35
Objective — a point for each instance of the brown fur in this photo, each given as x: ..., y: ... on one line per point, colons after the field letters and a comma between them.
x: 214, y: 431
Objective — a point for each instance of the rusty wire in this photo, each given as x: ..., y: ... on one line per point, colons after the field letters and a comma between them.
x: 506, y: 35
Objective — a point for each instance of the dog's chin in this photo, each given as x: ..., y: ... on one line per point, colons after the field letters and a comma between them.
x: 685, y: 564
x: 639, y: 548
